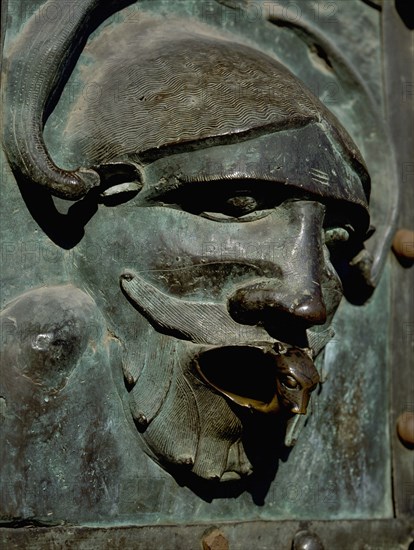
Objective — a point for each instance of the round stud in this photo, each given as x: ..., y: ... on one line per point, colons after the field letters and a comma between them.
x: 405, y: 428
x: 215, y: 540
x: 305, y: 540
x: 403, y: 244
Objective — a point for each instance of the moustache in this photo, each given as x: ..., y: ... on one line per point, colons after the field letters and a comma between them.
x: 205, y: 323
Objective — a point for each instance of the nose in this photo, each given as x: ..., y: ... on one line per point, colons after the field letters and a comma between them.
x: 295, y: 294
x: 266, y: 303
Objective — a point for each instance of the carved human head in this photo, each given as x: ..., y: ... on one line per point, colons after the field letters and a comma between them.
x: 226, y: 190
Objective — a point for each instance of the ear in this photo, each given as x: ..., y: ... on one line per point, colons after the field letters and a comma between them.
x: 39, y: 65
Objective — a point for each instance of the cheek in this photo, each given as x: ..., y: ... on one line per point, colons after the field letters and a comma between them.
x: 284, y: 394
x: 196, y: 257
x: 188, y: 255
x: 195, y: 238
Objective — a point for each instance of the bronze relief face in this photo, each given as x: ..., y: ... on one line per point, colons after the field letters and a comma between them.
x: 226, y: 221
x: 229, y: 262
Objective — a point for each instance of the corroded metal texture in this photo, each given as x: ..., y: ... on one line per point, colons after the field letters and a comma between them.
x: 344, y: 535
x: 196, y: 336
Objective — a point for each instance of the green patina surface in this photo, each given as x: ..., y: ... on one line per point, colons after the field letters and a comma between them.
x: 73, y: 454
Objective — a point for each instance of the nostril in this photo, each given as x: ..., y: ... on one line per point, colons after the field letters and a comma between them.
x: 302, y: 407
x: 253, y: 305
x: 244, y: 304
x: 299, y: 410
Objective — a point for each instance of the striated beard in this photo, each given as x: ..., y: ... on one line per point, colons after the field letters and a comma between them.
x: 184, y: 422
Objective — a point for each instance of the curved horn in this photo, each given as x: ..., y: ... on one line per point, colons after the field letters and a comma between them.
x: 38, y: 66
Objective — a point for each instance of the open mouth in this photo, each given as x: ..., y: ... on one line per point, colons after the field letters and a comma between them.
x: 259, y: 378
x: 247, y: 375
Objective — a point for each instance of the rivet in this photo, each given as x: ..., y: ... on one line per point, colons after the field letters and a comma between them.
x: 215, y: 540
x: 305, y: 540
x: 403, y: 244
x: 405, y: 428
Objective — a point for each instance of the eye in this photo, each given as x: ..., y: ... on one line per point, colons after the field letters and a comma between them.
x: 290, y: 383
x: 337, y: 235
x: 121, y: 182
x: 233, y: 206
x: 240, y: 208
x: 339, y: 238
x: 224, y: 201
x: 241, y: 205
x: 118, y: 194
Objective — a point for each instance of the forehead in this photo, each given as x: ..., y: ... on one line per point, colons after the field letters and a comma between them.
x: 304, y: 161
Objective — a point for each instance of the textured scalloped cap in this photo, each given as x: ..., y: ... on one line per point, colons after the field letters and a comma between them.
x: 165, y: 88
